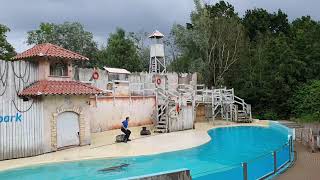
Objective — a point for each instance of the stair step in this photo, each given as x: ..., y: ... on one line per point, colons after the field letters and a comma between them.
x: 161, y: 126
x: 160, y: 131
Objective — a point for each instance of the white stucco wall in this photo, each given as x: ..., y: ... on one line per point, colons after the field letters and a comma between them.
x: 110, y: 112
x: 52, y: 103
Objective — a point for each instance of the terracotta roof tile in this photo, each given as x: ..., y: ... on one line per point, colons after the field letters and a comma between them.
x: 49, y: 50
x: 59, y: 88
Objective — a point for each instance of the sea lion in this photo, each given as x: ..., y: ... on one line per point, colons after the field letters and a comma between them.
x: 113, y: 168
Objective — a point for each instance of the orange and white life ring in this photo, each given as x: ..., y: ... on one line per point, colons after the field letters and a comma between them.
x: 95, y: 75
x: 158, y: 81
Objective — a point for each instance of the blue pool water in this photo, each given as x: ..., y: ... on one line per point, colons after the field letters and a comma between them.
x: 220, y: 158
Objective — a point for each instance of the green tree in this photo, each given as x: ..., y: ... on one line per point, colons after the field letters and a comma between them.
x: 306, y: 102
x: 6, y: 50
x: 69, y: 35
x: 121, y: 52
x: 214, y: 42
x: 259, y: 22
x: 139, y: 39
x: 305, y: 41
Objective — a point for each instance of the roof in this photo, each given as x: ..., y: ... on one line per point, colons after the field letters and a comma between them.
x: 49, y: 50
x: 116, y: 70
x: 156, y: 34
x: 46, y: 87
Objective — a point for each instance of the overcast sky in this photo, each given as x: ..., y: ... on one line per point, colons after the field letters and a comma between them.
x: 102, y: 16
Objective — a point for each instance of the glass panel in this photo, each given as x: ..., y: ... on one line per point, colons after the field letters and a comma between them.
x: 226, y: 173
x: 260, y: 166
x: 282, y: 156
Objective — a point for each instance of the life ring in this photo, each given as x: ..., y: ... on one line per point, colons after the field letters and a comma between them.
x: 159, y: 81
x: 95, y: 75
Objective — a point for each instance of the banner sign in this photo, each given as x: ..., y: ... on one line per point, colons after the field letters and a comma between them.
x: 11, y: 118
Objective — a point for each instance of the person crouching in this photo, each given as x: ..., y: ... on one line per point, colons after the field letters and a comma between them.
x: 125, y: 130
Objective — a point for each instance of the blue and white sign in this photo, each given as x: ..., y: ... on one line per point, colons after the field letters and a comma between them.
x: 11, y: 118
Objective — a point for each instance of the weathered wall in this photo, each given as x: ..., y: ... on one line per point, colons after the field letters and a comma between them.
x: 185, y: 120
x: 110, y: 112
x: 52, y: 105
x: 86, y: 76
x: 21, y: 123
x: 44, y: 70
x: 140, y: 77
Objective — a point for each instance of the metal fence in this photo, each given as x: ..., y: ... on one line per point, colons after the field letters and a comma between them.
x: 21, y: 123
x: 262, y: 167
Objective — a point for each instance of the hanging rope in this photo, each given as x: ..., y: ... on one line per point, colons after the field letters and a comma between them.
x: 21, y: 85
x: 23, y: 111
x: 4, y: 82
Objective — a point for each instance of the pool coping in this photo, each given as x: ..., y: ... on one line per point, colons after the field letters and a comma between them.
x: 33, y: 164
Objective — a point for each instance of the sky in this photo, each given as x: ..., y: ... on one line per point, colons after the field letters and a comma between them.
x: 102, y: 17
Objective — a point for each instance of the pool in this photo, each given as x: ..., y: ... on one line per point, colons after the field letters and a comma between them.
x: 220, y: 158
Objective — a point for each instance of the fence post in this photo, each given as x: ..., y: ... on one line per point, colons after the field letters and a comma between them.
x: 274, y: 162
x: 290, y: 148
x: 245, y: 170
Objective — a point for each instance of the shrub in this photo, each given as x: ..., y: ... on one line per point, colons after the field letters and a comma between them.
x: 306, y: 102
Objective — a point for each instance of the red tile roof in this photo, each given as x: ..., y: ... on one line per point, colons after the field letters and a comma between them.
x: 59, y: 88
x: 49, y: 50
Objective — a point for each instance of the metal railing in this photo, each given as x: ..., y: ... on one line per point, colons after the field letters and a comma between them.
x: 261, y: 167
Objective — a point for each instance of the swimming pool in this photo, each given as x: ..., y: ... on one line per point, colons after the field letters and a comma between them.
x: 220, y: 158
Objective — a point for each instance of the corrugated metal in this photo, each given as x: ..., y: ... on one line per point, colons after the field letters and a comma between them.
x: 19, y: 138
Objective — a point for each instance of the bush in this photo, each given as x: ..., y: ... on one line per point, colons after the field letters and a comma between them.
x: 306, y: 102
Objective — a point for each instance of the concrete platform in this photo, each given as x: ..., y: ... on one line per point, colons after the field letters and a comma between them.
x: 103, y: 145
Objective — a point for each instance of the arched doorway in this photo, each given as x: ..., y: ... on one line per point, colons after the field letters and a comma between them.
x: 68, y: 129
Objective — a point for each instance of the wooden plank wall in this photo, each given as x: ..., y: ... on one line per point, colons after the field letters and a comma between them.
x: 19, y: 138
x: 185, y: 120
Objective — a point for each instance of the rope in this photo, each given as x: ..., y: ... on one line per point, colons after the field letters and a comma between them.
x: 22, y: 84
x: 4, y: 82
x: 22, y: 111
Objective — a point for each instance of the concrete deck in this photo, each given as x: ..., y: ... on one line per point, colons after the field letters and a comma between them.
x: 307, y: 165
x: 103, y: 145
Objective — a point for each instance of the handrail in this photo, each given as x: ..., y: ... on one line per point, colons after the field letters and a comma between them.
x: 276, y: 167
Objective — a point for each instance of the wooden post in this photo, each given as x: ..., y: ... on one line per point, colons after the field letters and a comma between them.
x: 274, y: 162
x: 290, y: 148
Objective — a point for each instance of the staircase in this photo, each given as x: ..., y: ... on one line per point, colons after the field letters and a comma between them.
x: 167, y: 106
x: 225, y: 104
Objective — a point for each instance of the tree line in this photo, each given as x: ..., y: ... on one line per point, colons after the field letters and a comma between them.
x: 271, y: 62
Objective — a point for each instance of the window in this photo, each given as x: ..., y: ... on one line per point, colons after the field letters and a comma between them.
x: 59, y: 69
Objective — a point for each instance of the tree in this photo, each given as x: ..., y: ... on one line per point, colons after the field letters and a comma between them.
x: 259, y: 22
x: 139, y: 39
x: 306, y: 102
x: 69, y: 35
x: 305, y: 42
x: 6, y: 50
x: 216, y: 37
x: 121, y: 52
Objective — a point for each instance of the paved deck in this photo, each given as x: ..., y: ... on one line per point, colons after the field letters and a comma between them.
x: 103, y: 145
x: 307, y: 166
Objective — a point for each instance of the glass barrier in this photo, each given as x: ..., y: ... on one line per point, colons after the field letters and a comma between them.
x: 261, y: 167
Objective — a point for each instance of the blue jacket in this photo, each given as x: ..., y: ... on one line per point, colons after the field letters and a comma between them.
x: 125, y: 123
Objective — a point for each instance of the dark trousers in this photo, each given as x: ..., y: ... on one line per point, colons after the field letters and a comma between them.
x: 127, y: 132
